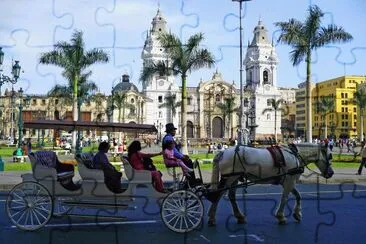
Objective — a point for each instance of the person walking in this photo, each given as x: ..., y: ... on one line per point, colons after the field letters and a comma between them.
x: 363, y: 158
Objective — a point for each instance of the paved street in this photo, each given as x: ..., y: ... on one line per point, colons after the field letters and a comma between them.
x: 337, y: 216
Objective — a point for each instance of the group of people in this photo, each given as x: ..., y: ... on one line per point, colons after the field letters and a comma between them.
x: 142, y: 161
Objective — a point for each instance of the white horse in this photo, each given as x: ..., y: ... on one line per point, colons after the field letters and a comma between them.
x: 253, y: 164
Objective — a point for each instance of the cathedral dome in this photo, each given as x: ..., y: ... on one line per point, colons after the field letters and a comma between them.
x: 125, y: 85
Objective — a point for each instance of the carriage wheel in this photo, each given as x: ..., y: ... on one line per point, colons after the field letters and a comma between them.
x: 29, y: 206
x: 182, y: 211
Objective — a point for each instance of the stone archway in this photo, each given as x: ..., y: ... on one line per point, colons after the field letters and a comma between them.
x: 190, y: 133
x: 217, y: 128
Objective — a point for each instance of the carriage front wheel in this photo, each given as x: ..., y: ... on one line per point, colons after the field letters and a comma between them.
x: 182, y: 211
x: 29, y: 206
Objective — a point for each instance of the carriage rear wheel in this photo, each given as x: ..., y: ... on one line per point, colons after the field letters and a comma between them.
x: 182, y: 211
x: 29, y: 206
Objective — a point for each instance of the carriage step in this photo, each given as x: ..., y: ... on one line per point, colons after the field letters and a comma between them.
x: 95, y: 205
x: 92, y: 216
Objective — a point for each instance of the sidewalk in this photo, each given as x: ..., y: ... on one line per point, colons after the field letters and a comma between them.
x: 8, y: 179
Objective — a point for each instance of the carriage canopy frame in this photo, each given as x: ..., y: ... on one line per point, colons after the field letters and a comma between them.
x: 66, y: 125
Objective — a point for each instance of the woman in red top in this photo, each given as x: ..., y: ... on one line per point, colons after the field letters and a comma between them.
x: 136, y: 160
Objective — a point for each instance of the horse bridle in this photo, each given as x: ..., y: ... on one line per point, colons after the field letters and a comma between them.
x: 327, y: 163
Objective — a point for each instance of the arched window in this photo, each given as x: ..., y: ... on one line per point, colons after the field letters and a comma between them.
x: 218, y: 98
x: 268, y: 116
x: 265, y: 77
x: 132, y: 100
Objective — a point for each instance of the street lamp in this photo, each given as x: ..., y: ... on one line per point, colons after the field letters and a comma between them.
x: 20, y: 119
x: 109, y: 114
x: 241, y: 113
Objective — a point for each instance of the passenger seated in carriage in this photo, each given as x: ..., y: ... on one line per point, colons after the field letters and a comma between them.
x: 112, y: 177
x: 171, y: 161
x: 142, y: 161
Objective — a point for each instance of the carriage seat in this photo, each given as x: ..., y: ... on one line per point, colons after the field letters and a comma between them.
x: 86, y: 168
x: 135, y: 176
x: 45, y: 164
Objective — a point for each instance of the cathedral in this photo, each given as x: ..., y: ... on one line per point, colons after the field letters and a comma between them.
x: 212, y: 106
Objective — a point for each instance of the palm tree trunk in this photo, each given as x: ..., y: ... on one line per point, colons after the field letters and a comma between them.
x: 275, y: 129
x: 184, y: 114
x: 75, y: 112
x: 325, y: 127
x: 361, y: 122
x: 119, y: 115
x: 309, y: 132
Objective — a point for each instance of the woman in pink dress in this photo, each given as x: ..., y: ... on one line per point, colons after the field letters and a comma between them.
x: 171, y: 161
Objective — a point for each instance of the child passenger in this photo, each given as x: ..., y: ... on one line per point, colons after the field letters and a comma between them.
x: 171, y: 161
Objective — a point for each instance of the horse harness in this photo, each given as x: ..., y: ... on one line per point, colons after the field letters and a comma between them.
x: 278, y: 159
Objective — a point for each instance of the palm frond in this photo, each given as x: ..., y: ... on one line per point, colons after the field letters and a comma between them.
x: 332, y: 34
x: 95, y: 56
x: 291, y: 32
x: 312, y: 22
x: 201, y: 59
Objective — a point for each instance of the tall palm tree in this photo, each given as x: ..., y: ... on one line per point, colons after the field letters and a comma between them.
x: 359, y: 98
x: 305, y: 38
x: 228, y: 108
x: 276, y: 106
x: 184, y: 58
x: 73, y: 59
x: 120, y: 100
x: 324, y: 107
x: 171, y: 105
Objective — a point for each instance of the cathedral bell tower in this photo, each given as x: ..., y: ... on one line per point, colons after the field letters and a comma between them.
x: 158, y: 87
x: 261, y: 83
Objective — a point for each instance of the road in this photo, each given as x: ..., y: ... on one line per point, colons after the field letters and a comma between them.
x: 331, y: 214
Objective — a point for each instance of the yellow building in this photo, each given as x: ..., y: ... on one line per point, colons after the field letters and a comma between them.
x: 342, y: 120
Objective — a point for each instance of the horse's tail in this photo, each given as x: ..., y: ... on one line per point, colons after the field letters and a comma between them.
x: 216, y: 170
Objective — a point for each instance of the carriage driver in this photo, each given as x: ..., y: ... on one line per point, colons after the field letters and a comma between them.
x: 170, y: 133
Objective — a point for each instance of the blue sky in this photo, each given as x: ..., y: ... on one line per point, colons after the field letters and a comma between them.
x: 30, y: 27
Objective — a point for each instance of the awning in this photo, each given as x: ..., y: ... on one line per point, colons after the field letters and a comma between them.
x: 66, y: 125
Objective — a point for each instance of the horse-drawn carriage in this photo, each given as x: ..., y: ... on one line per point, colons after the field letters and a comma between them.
x: 42, y: 194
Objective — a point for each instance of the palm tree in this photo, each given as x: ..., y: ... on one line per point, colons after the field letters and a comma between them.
x: 276, y: 106
x: 360, y: 99
x: 184, y: 58
x: 228, y: 108
x: 74, y: 59
x: 324, y: 107
x: 171, y: 105
x: 120, y: 100
x: 304, y: 38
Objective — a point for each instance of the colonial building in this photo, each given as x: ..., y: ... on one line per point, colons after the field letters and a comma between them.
x: 212, y: 104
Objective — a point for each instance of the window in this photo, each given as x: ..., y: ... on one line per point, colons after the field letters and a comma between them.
x: 160, y: 114
x: 132, y: 101
x: 269, y: 102
x: 346, y: 95
x: 189, y: 101
x: 342, y: 124
x: 342, y: 110
x: 342, y: 95
x: 160, y: 98
x: 34, y: 102
x: 346, y: 116
x: 43, y: 102
x: 56, y: 101
x: 218, y: 98
x: 354, y: 124
x: 342, y: 116
x: 354, y: 110
x: 268, y: 116
x: 346, y: 109
x: 354, y: 116
x: 265, y: 77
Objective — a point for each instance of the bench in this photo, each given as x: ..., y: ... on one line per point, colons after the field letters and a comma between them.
x: 20, y: 159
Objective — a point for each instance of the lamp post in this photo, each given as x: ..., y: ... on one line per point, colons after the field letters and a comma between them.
x: 20, y: 119
x: 3, y: 78
x: 241, y: 140
x: 109, y: 114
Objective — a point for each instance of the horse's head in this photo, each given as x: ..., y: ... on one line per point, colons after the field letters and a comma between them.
x: 324, y: 162
x: 318, y: 153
